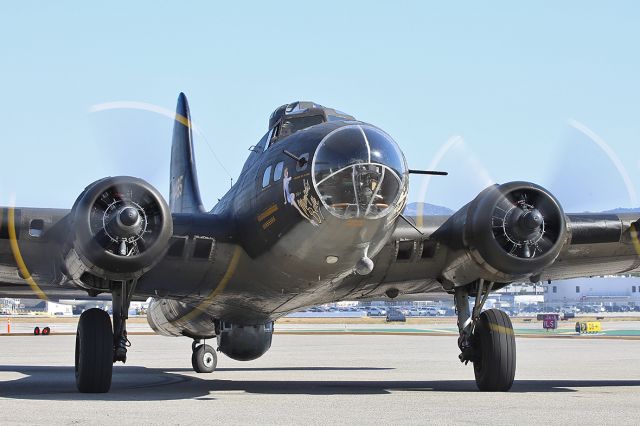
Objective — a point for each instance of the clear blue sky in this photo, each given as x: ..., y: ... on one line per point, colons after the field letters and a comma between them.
x: 504, y: 76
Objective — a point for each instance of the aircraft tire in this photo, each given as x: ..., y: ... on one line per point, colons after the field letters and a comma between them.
x: 495, y: 346
x: 94, y: 352
x: 204, y: 359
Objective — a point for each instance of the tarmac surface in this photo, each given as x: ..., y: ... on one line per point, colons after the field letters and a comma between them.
x: 324, y: 379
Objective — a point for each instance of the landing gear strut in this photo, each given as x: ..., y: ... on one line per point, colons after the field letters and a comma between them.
x: 204, y: 358
x: 486, y: 339
x: 121, y: 300
x: 98, y: 345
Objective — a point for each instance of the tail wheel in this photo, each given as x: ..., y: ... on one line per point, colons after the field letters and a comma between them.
x: 495, y: 348
x: 36, y: 331
x: 204, y: 359
x: 94, y: 352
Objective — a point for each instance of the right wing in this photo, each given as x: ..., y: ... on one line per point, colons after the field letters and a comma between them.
x: 598, y: 244
x: 30, y: 242
x: 516, y: 232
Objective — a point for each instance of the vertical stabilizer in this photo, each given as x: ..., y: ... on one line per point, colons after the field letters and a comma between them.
x: 184, y: 192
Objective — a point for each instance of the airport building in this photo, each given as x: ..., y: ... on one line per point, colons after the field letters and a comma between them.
x: 604, y: 291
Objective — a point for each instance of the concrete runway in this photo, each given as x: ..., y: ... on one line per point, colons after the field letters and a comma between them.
x: 324, y: 379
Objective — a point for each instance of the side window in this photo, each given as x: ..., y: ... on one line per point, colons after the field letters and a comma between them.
x: 277, y: 172
x: 267, y: 141
x: 274, y: 135
x: 266, y: 177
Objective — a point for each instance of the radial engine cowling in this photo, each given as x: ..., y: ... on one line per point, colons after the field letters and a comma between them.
x: 120, y: 227
x: 517, y: 228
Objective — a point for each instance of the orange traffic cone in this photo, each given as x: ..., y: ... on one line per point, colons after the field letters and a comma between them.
x: 9, y: 325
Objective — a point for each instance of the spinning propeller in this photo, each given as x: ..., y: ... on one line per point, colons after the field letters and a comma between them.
x: 525, y: 223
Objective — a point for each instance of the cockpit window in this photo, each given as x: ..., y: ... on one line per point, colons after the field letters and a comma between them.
x: 291, y: 125
x: 337, y: 118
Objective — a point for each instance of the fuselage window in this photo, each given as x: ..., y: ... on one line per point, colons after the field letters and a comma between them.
x: 266, y: 177
x: 277, y: 172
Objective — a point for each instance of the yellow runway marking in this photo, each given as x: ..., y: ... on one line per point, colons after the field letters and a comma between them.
x: 15, y: 249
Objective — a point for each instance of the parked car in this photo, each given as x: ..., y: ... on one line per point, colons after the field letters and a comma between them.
x: 430, y: 311
x: 395, y: 315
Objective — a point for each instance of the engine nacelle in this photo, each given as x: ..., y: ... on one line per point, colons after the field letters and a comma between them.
x: 508, y: 231
x: 173, y: 318
x: 517, y: 227
x: 120, y: 228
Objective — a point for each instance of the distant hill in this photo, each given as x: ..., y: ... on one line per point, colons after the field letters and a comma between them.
x: 624, y: 210
x: 427, y: 209
x: 435, y: 210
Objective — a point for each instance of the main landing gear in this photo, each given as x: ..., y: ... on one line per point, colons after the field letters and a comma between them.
x: 204, y: 358
x: 486, y: 339
x: 98, y: 345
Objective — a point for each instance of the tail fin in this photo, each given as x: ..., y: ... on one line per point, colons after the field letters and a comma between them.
x: 184, y: 191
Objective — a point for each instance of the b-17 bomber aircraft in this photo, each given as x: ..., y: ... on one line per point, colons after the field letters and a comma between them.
x: 316, y: 216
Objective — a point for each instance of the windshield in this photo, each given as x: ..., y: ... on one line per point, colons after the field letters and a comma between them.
x: 291, y: 125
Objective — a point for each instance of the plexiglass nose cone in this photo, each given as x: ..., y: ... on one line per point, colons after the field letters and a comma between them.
x: 359, y: 172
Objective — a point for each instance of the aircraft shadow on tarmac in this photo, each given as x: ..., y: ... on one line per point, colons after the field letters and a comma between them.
x: 133, y: 383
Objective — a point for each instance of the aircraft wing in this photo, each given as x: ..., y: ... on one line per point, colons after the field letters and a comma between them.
x: 30, y: 253
x: 598, y: 244
x: 515, y: 232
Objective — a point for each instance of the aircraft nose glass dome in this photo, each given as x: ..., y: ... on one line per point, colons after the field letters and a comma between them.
x: 359, y: 171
